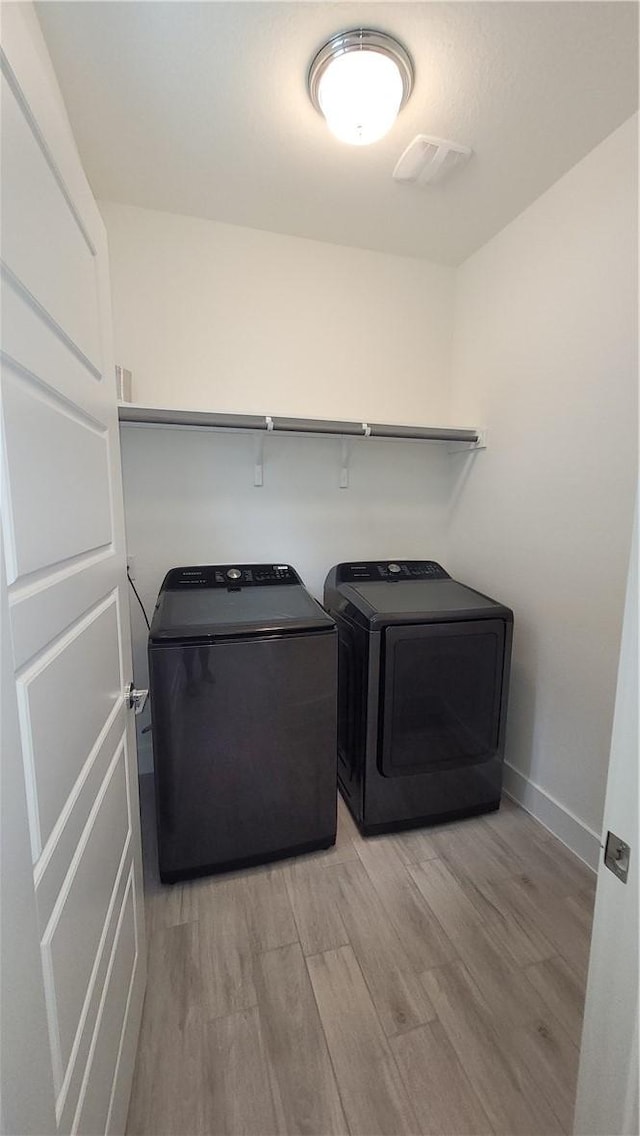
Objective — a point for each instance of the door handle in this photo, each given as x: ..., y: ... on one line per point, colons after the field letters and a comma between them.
x: 136, y: 699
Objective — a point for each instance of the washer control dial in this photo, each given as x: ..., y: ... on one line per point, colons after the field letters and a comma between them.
x: 394, y: 568
x: 234, y: 573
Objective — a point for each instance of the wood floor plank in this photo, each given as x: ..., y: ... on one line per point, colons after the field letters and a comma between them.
x: 581, y: 903
x: 512, y: 1102
x: 318, y: 921
x: 236, y: 1094
x: 564, y: 873
x: 551, y: 1059
x: 395, y: 986
x: 516, y: 827
x: 512, y: 999
x: 510, y: 996
x: 443, y: 1100
x: 445, y: 898
x: 423, y: 938
x: 347, y: 827
x: 164, y: 905
x: 562, y: 992
x: 269, y: 915
x: 540, y: 850
x: 303, y: 1086
x: 238, y: 917
x: 199, y: 894
x: 554, y: 920
x: 167, y: 1096
x: 225, y: 949
x: 413, y: 845
x: 519, y: 935
x: 373, y: 1095
x: 477, y: 852
x: 560, y: 921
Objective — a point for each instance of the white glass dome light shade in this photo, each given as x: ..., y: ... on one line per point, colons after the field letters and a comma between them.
x: 360, y: 94
x: 359, y: 81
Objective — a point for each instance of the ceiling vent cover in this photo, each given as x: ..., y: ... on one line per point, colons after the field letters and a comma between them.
x: 427, y: 160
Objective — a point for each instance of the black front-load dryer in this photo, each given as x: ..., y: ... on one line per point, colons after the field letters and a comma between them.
x: 423, y: 679
x: 243, y: 666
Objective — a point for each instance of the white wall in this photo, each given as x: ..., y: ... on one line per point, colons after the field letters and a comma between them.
x: 221, y: 317
x: 545, y: 356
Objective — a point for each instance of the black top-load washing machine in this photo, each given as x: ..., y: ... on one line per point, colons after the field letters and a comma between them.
x: 242, y: 665
x: 423, y: 685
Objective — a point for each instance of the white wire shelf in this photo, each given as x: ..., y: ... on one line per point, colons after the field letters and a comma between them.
x: 262, y: 425
x: 165, y: 416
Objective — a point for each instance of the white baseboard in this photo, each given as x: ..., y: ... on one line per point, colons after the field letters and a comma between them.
x: 560, y: 821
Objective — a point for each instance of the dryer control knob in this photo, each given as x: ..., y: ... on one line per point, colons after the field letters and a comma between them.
x: 395, y: 568
x: 234, y: 573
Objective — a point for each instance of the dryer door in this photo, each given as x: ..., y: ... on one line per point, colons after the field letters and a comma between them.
x: 441, y: 695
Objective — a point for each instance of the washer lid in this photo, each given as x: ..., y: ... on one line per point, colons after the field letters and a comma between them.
x: 239, y: 607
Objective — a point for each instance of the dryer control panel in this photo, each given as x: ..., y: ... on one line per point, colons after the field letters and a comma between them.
x: 390, y: 570
x: 229, y: 576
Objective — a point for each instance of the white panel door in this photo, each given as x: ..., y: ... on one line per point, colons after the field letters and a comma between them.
x: 609, y: 1080
x: 71, y: 931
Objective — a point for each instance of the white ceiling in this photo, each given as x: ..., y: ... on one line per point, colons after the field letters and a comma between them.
x: 202, y: 109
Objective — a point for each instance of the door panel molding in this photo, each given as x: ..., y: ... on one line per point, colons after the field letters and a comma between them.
x: 39, y: 429
x: 52, y: 396
x: 44, y: 605
x: 36, y: 308
x: 92, y: 1114
x: 53, y: 865
x: 27, y: 1103
x: 16, y: 90
x: 57, y: 265
x: 78, y: 659
x: 71, y: 947
x: 67, y: 1099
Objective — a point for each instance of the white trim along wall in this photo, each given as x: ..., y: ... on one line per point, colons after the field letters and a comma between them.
x: 555, y: 817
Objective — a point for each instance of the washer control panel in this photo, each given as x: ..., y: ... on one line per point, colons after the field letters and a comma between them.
x: 390, y: 570
x: 229, y: 576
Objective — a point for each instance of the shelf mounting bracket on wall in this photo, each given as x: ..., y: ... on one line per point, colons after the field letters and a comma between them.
x: 344, y: 463
x: 258, y: 467
x: 480, y: 443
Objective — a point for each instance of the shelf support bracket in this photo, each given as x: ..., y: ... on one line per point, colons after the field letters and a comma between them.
x: 258, y: 468
x: 344, y: 463
x: 470, y: 447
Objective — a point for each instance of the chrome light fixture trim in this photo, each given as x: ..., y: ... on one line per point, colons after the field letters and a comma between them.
x: 360, y: 39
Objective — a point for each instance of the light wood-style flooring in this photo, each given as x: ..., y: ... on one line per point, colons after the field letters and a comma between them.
x: 428, y: 982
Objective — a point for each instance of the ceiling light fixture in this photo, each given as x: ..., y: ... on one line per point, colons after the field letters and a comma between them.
x: 359, y: 81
